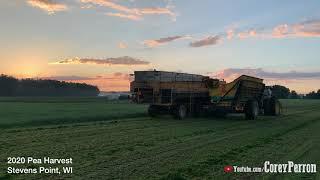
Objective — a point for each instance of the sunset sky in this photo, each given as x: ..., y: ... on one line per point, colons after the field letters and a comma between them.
x: 101, y: 42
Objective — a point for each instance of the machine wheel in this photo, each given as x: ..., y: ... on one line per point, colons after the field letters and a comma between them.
x: 181, y: 112
x: 275, y: 107
x: 266, y: 107
x: 152, y: 111
x: 272, y: 107
x: 252, y: 109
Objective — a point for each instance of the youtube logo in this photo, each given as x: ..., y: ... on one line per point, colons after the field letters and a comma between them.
x: 228, y: 169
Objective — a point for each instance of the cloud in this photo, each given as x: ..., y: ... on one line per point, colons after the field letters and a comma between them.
x: 125, y: 16
x: 280, y: 31
x: 130, y: 13
x: 210, y: 40
x: 116, y: 81
x: 125, y: 60
x: 49, y: 6
x: 309, y: 28
x: 67, y: 78
x: 122, y: 45
x: 233, y: 73
x: 111, y: 76
x: 86, y: 6
x: 117, y: 74
x: 161, y: 41
x: 230, y: 34
x: 247, y: 34
x: 156, y: 10
x: 110, y: 4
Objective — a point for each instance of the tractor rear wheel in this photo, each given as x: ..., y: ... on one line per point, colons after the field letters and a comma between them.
x: 251, y: 109
x: 275, y: 107
x: 267, y: 107
x: 272, y: 107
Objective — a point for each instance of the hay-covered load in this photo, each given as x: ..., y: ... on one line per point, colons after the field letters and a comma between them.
x: 164, y: 76
x: 162, y: 87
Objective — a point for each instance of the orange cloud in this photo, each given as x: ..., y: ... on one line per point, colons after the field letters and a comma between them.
x: 48, y: 5
x: 306, y: 29
x: 110, y: 4
x: 280, y: 31
x: 131, y: 13
x: 125, y: 60
x: 309, y: 28
x: 247, y: 34
x: 210, y: 40
x: 156, y: 10
x: 108, y: 82
x: 230, y: 34
x: 122, y: 45
x: 161, y: 41
x: 125, y: 16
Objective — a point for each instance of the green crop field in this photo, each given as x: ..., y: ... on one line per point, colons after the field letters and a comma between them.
x: 117, y: 140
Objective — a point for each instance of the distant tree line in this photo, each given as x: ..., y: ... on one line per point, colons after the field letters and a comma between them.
x: 313, y: 95
x: 283, y: 92
x: 10, y: 86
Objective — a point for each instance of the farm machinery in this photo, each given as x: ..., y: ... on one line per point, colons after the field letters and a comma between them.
x: 182, y: 94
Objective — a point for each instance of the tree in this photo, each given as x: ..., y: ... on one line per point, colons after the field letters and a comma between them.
x: 280, y: 92
x: 294, y: 95
x: 313, y: 95
x: 10, y: 86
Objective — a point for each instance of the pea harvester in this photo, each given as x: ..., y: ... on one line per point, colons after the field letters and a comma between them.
x: 182, y: 94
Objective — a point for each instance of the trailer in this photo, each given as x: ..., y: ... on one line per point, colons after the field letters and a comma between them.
x: 182, y: 94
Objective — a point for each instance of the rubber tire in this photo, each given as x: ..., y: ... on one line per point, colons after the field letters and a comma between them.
x: 181, y: 112
x: 275, y: 107
x: 272, y: 107
x: 252, y: 109
x: 266, y: 107
x: 152, y: 111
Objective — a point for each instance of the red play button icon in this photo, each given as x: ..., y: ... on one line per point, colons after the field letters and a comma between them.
x: 228, y: 169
